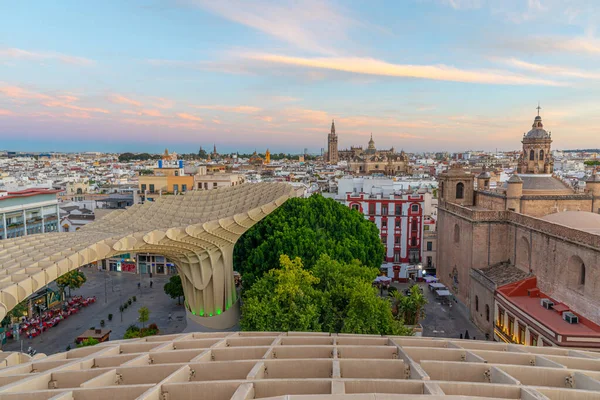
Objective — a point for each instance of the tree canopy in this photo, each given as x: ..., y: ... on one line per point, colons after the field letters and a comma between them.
x: 174, y: 288
x: 73, y: 280
x: 332, y: 297
x: 307, y: 228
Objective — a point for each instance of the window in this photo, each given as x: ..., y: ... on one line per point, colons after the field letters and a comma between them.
x: 384, y: 209
x: 532, y: 155
x: 384, y: 239
x: 214, y: 185
x: 426, y: 228
x: 397, y: 256
x: 500, y: 317
x: 384, y: 223
x: 176, y: 173
x: 511, y: 325
x: 429, y: 246
x: 541, y: 154
x: 397, y: 239
x: 184, y: 187
x: 413, y: 242
x: 397, y: 224
x: 460, y: 190
x: 487, y: 313
x: 476, y: 303
x: 206, y: 185
x: 175, y: 188
x: 371, y: 208
x: 429, y: 262
x: 414, y: 208
x: 398, y: 209
x: 456, y: 233
x: 143, y: 187
x: 414, y: 225
x: 533, y: 339
x: 582, y: 275
x: 355, y: 207
x: 151, y: 188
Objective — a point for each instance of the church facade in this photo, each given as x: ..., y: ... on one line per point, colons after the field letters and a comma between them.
x: 533, y: 226
x: 367, y: 161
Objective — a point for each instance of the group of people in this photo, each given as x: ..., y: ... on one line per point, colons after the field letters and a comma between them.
x: 34, y: 326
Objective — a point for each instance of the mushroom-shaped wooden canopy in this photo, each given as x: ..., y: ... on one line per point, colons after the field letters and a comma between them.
x: 196, y: 231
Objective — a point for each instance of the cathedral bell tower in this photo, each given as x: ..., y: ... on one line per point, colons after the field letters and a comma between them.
x: 536, y: 157
x: 332, y: 145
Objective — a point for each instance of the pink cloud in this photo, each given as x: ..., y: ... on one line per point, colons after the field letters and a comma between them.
x: 119, y: 99
x: 161, y: 102
x: 20, y: 93
x: 264, y: 118
x: 232, y: 109
x: 66, y: 104
x: 6, y: 112
x: 216, y: 121
x: 189, y: 117
x: 21, y: 54
x: 370, y: 66
x: 78, y: 115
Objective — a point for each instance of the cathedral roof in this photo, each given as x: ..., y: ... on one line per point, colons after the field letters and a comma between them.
x: 537, y: 130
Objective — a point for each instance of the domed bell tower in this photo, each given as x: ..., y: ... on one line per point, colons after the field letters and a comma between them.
x: 536, y: 157
x: 456, y: 186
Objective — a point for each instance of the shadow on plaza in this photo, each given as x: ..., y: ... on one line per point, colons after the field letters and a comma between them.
x: 111, y: 290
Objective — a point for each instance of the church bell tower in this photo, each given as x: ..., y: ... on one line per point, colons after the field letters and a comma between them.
x: 332, y: 145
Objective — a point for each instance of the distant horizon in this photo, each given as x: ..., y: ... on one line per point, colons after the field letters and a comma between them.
x: 421, y: 75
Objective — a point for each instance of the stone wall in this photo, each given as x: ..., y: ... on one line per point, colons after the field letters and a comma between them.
x: 532, y: 244
x: 537, y: 207
x: 482, y: 289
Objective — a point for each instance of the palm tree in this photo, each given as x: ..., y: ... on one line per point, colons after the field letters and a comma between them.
x: 409, y: 308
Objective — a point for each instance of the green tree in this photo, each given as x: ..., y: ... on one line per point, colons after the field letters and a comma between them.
x: 202, y: 154
x: 409, y: 308
x: 88, y: 342
x: 307, y: 228
x: 174, y: 288
x: 332, y: 297
x: 144, y: 315
x: 73, y: 280
x: 283, y: 300
x: 16, y: 313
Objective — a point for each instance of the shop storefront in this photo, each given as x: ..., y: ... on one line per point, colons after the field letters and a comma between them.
x: 43, y: 300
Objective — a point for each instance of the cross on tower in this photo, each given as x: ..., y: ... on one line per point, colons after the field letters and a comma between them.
x: 538, y: 108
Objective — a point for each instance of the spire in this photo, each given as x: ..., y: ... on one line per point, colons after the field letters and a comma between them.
x: 332, y: 126
x: 538, y: 108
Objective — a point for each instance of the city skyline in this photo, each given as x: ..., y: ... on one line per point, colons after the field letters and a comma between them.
x: 423, y: 75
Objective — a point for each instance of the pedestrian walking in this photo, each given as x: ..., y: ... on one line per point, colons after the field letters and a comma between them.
x: 150, y: 284
x: 139, y: 285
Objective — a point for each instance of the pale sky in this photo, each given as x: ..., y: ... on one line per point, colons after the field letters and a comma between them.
x: 421, y: 75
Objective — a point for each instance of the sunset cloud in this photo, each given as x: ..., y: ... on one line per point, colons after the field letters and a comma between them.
x: 370, y: 66
x: 20, y: 93
x: 19, y: 54
x: 551, y: 70
x: 264, y: 118
x: 308, y: 25
x: 6, y: 112
x: 119, y: 99
x: 232, y: 109
x: 189, y: 117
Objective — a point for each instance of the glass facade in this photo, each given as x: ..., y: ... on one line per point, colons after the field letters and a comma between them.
x: 14, y: 224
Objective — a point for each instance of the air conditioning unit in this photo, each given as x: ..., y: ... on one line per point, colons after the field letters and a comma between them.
x: 570, y: 317
x: 547, y: 304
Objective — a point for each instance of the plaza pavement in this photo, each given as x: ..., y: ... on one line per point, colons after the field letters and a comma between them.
x: 120, y: 287
x: 443, y: 321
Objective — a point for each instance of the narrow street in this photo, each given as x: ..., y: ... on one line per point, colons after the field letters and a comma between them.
x: 120, y: 286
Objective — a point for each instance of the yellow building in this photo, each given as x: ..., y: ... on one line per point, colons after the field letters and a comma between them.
x: 168, y: 179
x: 268, y: 157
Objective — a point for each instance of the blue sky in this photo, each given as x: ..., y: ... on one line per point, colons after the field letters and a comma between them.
x: 421, y: 75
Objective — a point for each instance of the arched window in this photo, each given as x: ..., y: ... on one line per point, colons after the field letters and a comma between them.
x: 582, y: 275
x: 487, y: 313
x: 460, y: 190
x: 456, y: 233
x: 541, y: 154
x: 532, y: 155
x: 476, y: 303
x: 355, y: 207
